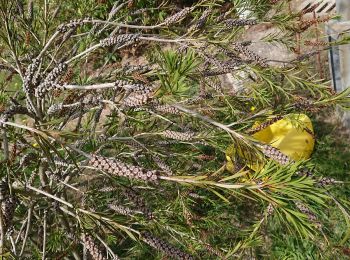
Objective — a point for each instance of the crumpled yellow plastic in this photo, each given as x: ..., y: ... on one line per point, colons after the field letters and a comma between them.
x: 292, y: 135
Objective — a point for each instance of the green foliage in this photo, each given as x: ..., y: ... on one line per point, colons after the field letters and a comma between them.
x: 176, y: 68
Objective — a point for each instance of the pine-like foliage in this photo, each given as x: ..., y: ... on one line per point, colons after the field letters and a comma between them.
x: 117, y: 130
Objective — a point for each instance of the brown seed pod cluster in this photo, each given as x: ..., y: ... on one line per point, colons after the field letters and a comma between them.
x: 206, y: 157
x: 177, y: 17
x: 275, y: 154
x: 30, y: 11
x: 222, y: 71
x: 68, y: 76
x: 121, y: 209
x: 120, y: 40
x: 231, y: 23
x: 130, y: 69
x: 108, y: 189
x: 136, y: 99
x: 264, y: 125
x: 30, y: 79
x: 214, y: 83
x: 214, y: 251
x: 324, y: 181
x: 209, y: 60
x: 51, y: 80
x: 139, y: 77
x: 140, y: 89
x: 310, y: 215
x: 116, y: 167
x: 139, y: 203
x: 73, y: 24
x: 305, y: 172
x: 8, y: 205
x: 131, y: 3
x: 119, y: 84
x: 181, y: 136
x: 93, y: 249
x: 167, y: 109
x: 162, y: 165
x: 250, y: 55
x: 316, y: 43
x: 303, y: 104
x: 306, y: 24
x: 199, y: 24
x: 164, y: 247
x: 307, y: 55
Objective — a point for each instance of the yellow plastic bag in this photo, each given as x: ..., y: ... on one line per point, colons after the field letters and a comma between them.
x: 293, y: 139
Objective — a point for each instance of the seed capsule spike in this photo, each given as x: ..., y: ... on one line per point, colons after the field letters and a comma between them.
x: 275, y: 154
x: 121, y: 83
x: 177, y: 17
x: 201, y: 21
x: 324, y: 181
x: 120, y: 40
x: 167, y: 109
x: 92, y: 247
x: 58, y: 71
x: 118, y: 168
x: 121, y: 209
x: 164, y: 247
x: 50, y: 81
x: 181, y: 136
x: 139, y: 203
x: 310, y: 215
x: 8, y: 205
x: 136, y: 99
x: 231, y: 23
x: 264, y: 125
x: 73, y: 24
x: 241, y: 48
x: 161, y: 164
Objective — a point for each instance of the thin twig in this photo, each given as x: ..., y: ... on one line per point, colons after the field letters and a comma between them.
x: 44, y: 237
x: 29, y: 221
x: 115, y: 257
x: 210, y: 121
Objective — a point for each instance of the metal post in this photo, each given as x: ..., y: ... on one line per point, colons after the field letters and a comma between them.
x: 340, y: 55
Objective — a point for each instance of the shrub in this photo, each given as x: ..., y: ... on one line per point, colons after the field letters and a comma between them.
x: 116, y: 127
